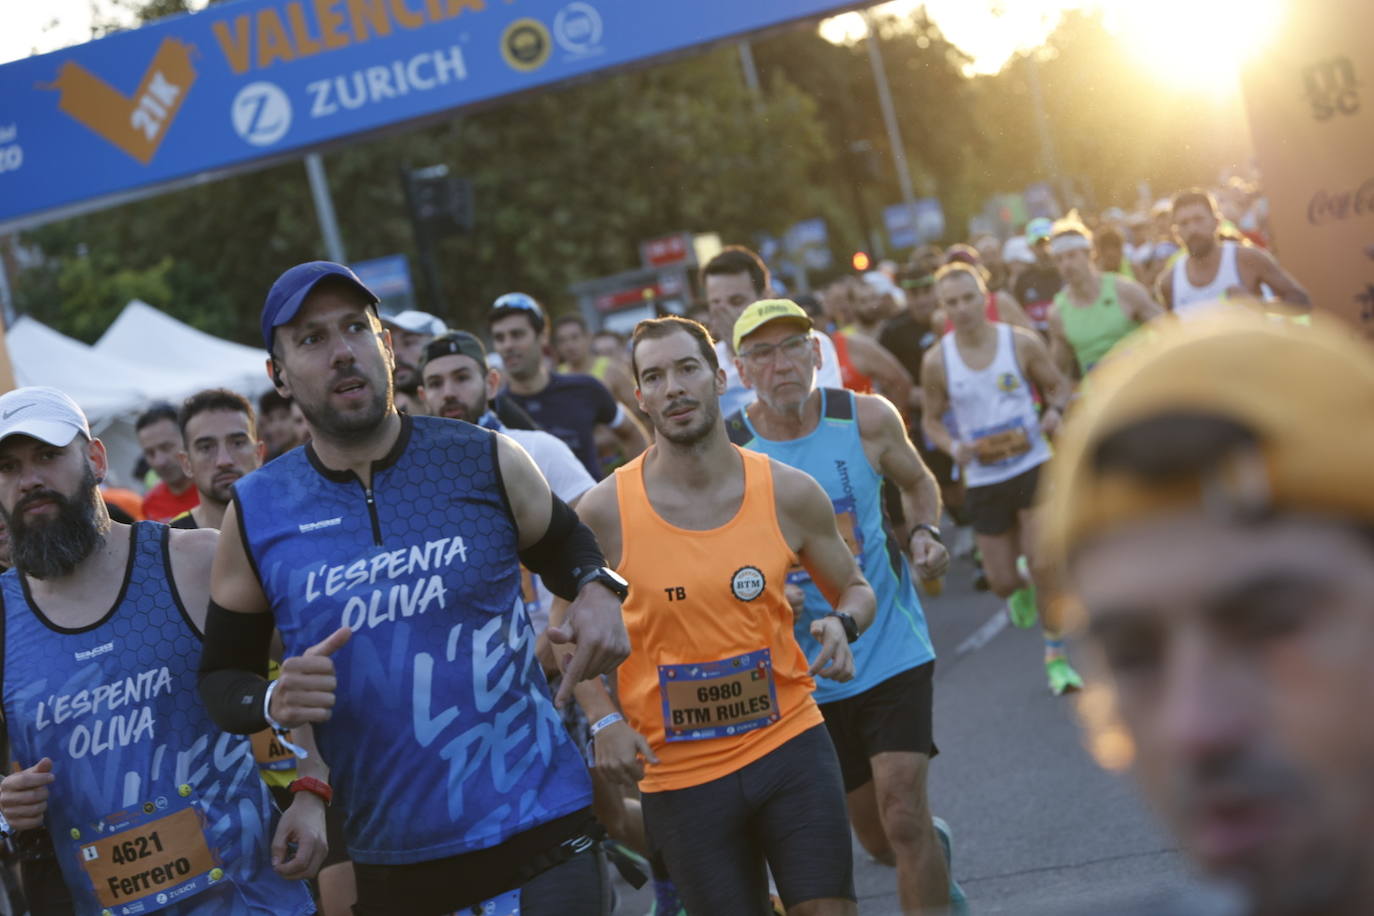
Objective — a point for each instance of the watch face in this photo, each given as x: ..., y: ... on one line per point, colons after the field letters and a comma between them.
x: 611, y: 579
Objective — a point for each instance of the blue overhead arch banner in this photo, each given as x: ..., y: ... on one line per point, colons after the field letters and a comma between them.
x: 252, y: 81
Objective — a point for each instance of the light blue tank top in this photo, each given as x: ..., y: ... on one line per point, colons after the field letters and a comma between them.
x: 833, y: 453
x: 153, y: 808
x: 444, y: 738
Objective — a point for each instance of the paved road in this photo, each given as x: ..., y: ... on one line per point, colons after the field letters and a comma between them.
x: 1038, y: 826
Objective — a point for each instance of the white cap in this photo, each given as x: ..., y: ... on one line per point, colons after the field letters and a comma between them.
x: 1018, y: 249
x: 416, y: 322
x: 43, y: 413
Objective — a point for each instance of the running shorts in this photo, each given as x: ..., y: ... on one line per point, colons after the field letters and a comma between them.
x: 992, y: 509
x: 895, y: 715
x: 786, y: 809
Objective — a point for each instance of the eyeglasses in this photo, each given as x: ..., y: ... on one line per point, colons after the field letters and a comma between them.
x: 795, y: 348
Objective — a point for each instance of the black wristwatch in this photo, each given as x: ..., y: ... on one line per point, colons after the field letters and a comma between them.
x: 607, y: 577
x: 928, y: 529
x: 851, y: 629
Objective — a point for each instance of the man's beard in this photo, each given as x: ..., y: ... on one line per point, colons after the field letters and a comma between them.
x: 350, y: 427
x: 52, y: 549
x: 691, y: 435
x: 1199, y: 246
x: 468, y: 412
x: 224, y: 493
x: 405, y: 374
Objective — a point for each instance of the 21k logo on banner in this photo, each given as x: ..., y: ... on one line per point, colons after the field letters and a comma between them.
x: 136, y: 125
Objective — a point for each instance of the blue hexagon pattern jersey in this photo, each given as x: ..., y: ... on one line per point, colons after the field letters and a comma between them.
x: 444, y: 738
x: 153, y: 808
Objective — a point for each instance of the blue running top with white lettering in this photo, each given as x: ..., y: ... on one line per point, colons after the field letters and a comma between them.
x: 150, y: 802
x: 444, y: 738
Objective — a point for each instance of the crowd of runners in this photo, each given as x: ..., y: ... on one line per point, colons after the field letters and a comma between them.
x: 457, y: 620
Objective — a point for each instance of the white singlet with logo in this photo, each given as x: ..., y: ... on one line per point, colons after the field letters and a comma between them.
x: 995, y: 412
x: 1190, y: 300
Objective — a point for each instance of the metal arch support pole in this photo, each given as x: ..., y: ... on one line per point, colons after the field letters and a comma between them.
x: 324, y: 208
x: 894, y: 134
x: 751, y: 72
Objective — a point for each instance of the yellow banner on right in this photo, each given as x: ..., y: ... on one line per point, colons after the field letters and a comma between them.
x: 1310, y: 99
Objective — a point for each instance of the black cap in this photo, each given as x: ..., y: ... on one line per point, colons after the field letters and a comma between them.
x: 456, y: 343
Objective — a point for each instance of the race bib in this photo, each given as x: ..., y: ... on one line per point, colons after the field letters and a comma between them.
x: 507, y: 904
x: 1000, y: 444
x: 718, y: 699
x: 158, y: 856
x: 270, y: 753
x: 847, y: 520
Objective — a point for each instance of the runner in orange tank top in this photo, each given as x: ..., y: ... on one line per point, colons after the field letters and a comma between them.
x: 738, y: 769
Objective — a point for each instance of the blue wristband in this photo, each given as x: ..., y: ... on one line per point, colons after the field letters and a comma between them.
x: 605, y: 722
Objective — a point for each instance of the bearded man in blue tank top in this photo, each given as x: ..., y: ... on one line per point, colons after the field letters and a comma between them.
x: 151, y: 807
x: 983, y: 371
x: 880, y: 722
x: 385, y: 553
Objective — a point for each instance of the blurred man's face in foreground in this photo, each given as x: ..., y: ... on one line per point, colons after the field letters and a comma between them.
x: 1241, y: 657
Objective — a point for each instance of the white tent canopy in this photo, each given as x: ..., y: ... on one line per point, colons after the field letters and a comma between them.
x: 114, y: 382
x: 141, y: 332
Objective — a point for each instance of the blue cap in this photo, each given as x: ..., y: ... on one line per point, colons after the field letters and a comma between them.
x: 286, y: 295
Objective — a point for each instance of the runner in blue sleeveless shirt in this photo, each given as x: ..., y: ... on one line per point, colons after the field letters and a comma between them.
x: 385, y: 552
x: 880, y: 721
x: 151, y: 807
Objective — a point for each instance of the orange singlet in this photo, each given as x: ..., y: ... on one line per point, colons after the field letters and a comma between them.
x: 715, y: 678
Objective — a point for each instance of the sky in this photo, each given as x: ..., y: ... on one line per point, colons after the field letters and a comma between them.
x: 1189, y: 41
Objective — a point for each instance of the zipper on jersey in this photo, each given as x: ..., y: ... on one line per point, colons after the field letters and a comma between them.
x: 372, y: 513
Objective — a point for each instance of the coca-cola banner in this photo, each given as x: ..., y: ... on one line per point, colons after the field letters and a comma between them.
x: 1311, y: 104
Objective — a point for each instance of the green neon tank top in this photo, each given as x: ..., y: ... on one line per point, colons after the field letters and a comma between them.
x: 1094, y: 329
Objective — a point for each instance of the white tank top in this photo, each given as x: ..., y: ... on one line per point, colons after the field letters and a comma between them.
x: 995, y: 412
x: 1189, y: 299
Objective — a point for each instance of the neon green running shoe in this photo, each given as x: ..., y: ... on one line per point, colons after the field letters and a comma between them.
x: 1063, y: 679
x: 1021, y: 607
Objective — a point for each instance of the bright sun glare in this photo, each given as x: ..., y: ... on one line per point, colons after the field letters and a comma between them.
x: 1197, y: 44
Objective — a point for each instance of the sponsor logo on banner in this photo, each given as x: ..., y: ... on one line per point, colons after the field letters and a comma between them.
x: 577, y: 29
x: 136, y: 125
x: 11, y: 153
x: 261, y: 113
x: 526, y: 45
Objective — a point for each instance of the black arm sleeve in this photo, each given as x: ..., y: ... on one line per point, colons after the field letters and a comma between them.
x: 233, y: 668
x: 566, y: 551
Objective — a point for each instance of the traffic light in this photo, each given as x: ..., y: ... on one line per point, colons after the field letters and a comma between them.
x: 440, y: 203
x: 861, y: 260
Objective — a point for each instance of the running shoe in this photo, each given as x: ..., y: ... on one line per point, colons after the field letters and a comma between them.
x: 980, y: 575
x: 1063, y: 679
x: 1021, y: 604
x: 1021, y: 607
x: 958, y: 900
